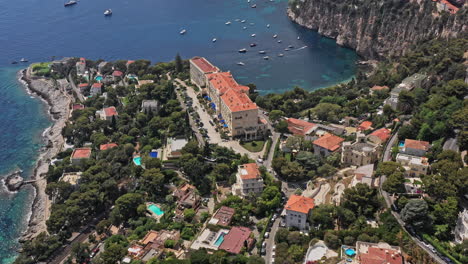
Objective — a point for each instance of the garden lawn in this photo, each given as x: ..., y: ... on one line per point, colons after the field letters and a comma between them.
x: 253, y: 146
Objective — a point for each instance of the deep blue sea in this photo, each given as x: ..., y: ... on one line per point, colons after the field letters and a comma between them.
x: 146, y: 29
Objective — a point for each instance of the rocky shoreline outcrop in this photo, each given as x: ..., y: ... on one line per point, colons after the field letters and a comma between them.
x: 376, y: 29
x: 59, y: 109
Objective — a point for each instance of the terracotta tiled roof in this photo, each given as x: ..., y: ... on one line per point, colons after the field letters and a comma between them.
x: 110, y: 111
x: 117, y: 73
x: 299, y: 127
x: 329, y: 141
x: 300, y: 204
x: 224, y: 215
x: 379, y: 88
x: 417, y: 144
x: 149, y: 237
x: 377, y: 255
x: 204, y: 65
x: 383, y: 134
x: 81, y: 153
x: 130, y: 62
x: 97, y: 85
x: 107, y: 146
x: 222, y: 81
x: 235, y: 239
x: 78, y: 106
x: 249, y: 171
x: 237, y: 101
x: 365, y: 126
x: 83, y: 85
x: 452, y: 9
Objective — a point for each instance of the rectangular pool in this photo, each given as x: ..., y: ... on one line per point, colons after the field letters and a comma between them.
x: 220, y: 239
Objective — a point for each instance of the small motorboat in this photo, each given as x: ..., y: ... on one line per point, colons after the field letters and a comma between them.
x: 262, y: 52
x: 266, y: 58
x: 268, y: 26
x: 240, y: 63
x: 275, y: 36
x: 253, y: 44
x: 242, y: 21
x: 290, y: 46
x: 279, y: 41
x: 298, y: 37
x: 253, y: 35
x: 242, y: 50
x: 280, y: 55
x: 244, y: 28
x: 286, y: 49
x: 183, y: 31
x: 237, y: 19
x: 252, y: 24
x: 24, y: 60
x: 70, y: 3
x: 248, y: 1
x: 108, y: 12
x: 14, y: 62
x: 214, y: 40
x: 254, y: 6
x: 228, y: 23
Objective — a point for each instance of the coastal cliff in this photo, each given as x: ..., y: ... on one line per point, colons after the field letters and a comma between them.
x: 378, y: 28
x: 59, y: 109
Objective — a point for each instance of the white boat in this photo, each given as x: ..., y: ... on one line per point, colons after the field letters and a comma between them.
x: 280, y: 55
x: 237, y: 19
x: 279, y: 41
x: 248, y: 1
x: 214, y: 40
x: 254, y: 6
x: 183, y: 31
x: 252, y: 24
x: 262, y: 52
x: 253, y: 35
x: 108, y: 12
x: 228, y: 23
x: 244, y: 28
x: 242, y: 21
x: 266, y: 58
x: 275, y: 36
x: 286, y: 49
x: 298, y: 37
x: 242, y: 50
x: 268, y: 25
x: 240, y: 63
x: 291, y: 46
x: 24, y: 60
x: 70, y: 3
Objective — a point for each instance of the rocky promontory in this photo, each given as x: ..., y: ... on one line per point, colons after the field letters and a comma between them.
x: 59, y: 109
x: 378, y: 28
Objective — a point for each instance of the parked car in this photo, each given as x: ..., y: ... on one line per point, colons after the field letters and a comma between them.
x: 94, y: 252
x: 267, y: 234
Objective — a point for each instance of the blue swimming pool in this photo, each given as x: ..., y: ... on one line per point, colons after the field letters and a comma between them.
x: 220, y: 239
x: 401, y: 144
x: 137, y: 161
x: 155, y: 209
x: 350, y: 252
x: 98, y: 78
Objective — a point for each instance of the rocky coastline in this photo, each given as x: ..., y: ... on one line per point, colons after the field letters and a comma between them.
x: 371, y: 32
x: 59, y: 109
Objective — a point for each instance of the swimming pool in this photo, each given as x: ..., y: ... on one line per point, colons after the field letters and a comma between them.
x: 350, y: 252
x: 155, y: 209
x: 401, y: 144
x: 137, y: 161
x: 98, y: 78
x: 220, y: 239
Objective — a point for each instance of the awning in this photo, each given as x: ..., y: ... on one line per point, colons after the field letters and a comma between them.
x: 225, y: 125
x: 222, y: 121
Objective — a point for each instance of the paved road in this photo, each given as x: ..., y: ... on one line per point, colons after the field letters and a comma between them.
x: 270, y: 241
x: 451, y: 144
x: 77, y: 91
x: 194, y: 127
x: 387, y: 156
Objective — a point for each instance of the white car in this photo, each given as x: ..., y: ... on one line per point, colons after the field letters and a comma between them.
x: 273, y: 248
x: 267, y: 234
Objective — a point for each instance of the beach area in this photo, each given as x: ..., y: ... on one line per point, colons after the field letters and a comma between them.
x: 58, y: 101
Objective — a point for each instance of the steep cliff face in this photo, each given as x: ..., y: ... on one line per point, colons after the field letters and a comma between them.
x: 378, y: 28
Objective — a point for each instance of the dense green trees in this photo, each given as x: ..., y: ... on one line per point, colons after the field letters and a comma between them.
x: 415, y: 214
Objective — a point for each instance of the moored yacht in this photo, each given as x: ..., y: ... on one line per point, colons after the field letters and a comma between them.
x: 183, y: 31
x: 242, y: 50
x: 70, y: 3
x: 108, y: 12
x: 240, y: 63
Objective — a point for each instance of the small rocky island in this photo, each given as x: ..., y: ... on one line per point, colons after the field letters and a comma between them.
x: 14, y: 181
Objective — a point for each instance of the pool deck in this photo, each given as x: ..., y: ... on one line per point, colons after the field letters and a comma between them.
x: 204, y: 241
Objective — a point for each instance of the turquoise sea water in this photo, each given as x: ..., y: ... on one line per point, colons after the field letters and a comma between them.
x: 22, y: 121
x: 145, y: 29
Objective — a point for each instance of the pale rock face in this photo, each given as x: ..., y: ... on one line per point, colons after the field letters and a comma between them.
x: 461, y: 230
x: 376, y: 29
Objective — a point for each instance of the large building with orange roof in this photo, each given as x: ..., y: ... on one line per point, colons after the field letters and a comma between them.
x: 372, y: 253
x: 248, y: 180
x: 199, y: 67
x: 327, y: 144
x: 297, y: 211
x: 237, y: 113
